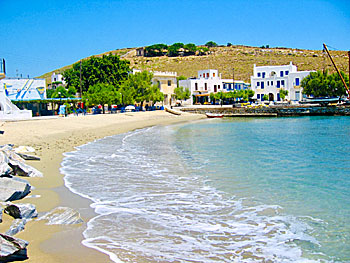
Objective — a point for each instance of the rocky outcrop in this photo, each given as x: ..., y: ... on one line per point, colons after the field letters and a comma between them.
x: 12, y: 163
x: 13, y: 189
x: 16, y: 226
x: 12, y: 249
x: 21, y: 211
x: 62, y: 216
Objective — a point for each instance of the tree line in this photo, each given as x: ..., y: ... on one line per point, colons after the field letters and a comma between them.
x: 107, y: 80
x: 323, y: 84
x: 178, y: 49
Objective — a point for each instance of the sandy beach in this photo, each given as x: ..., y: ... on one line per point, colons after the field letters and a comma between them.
x: 51, y: 138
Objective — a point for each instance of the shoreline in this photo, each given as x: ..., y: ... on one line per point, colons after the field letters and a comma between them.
x: 51, y: 138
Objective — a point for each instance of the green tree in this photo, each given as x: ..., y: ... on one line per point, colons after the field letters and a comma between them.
x: 174, y: 49
x: 211, y: 44
x: 321, y: 84
x: 49, y: 93
x: 156, y: 50
x: 265, y: 97
x: 139, y: 84
x: 154, y: 94
x: 181, y: 93
x: 229, y: 44
x: 108, y: 69
x: 202, y: 51
x: 283, y: 93
x: 190, y: 49
x: 61, y: 92
x: 102, y: 93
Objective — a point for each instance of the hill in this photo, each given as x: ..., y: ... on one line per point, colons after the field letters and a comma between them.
x: 241, y: 58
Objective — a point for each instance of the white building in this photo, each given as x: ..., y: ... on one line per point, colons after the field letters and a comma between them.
x: 57, y: 78
x: 270, y: 80
x: 208, y: 81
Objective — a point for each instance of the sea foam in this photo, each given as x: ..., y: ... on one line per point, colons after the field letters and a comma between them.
x: 155, y: 205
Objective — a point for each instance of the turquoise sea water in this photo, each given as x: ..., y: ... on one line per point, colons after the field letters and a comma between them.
x: 230, y: 190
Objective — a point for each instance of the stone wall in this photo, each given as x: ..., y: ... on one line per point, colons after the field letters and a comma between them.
x: 275, y: 111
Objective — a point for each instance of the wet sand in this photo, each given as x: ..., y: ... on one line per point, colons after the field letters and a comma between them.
x: 51, y: 138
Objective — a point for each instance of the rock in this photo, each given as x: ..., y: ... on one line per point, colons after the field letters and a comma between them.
x: 12, y: 249
x: 21, y: 211
x: 13, y: 189
x: 16, y: 163
x: 62, y: 216
x: 29, y: 157
x: 5, y: 169
x: 16, y: 226
x: 24, y: 149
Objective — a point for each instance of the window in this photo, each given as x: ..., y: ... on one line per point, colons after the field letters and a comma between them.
x: 214, y: 74
x: 278, y: 84
x: 259, y: 74
x: 218, y: 86
x: 281, y: 73
x: 262, y: 84
x: 169, y: 82
x: 282, y: 83
x: 207, y: 75
x: 196, y: 86
x: 205, y: 86
x: 287, y: 72
x: 268, y: 83
x: 258, y: 84
x: 258, y: 96
x: 263, y: 75
x: 271, y: 83
x: 297, y: 82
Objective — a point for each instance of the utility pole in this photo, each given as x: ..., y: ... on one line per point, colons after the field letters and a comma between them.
x: 81, y: 92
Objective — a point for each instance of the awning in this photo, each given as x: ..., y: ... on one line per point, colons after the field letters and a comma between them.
x: 202, y: 95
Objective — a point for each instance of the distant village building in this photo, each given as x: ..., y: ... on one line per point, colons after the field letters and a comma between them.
x: 140, y: 52
x: 166, y: 82
x: 56, y: 80
x: 209, y: 81
x: 270, y: 80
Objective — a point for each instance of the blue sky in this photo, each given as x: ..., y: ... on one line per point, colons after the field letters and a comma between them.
x: 40, y: 36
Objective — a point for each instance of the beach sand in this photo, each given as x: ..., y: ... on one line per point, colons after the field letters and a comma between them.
x: 52, y: 137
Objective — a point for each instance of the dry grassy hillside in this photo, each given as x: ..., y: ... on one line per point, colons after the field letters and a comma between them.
x: 241, y: 58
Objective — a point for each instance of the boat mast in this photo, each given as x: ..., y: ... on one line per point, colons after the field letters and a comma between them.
x: 336, y: 68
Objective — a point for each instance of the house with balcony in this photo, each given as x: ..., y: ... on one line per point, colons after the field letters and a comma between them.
x: 209, y: 81
x: 234, y: 85
x: 269, y: 80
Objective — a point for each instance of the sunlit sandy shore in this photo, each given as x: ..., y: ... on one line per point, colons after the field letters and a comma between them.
x: 51, y: 138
